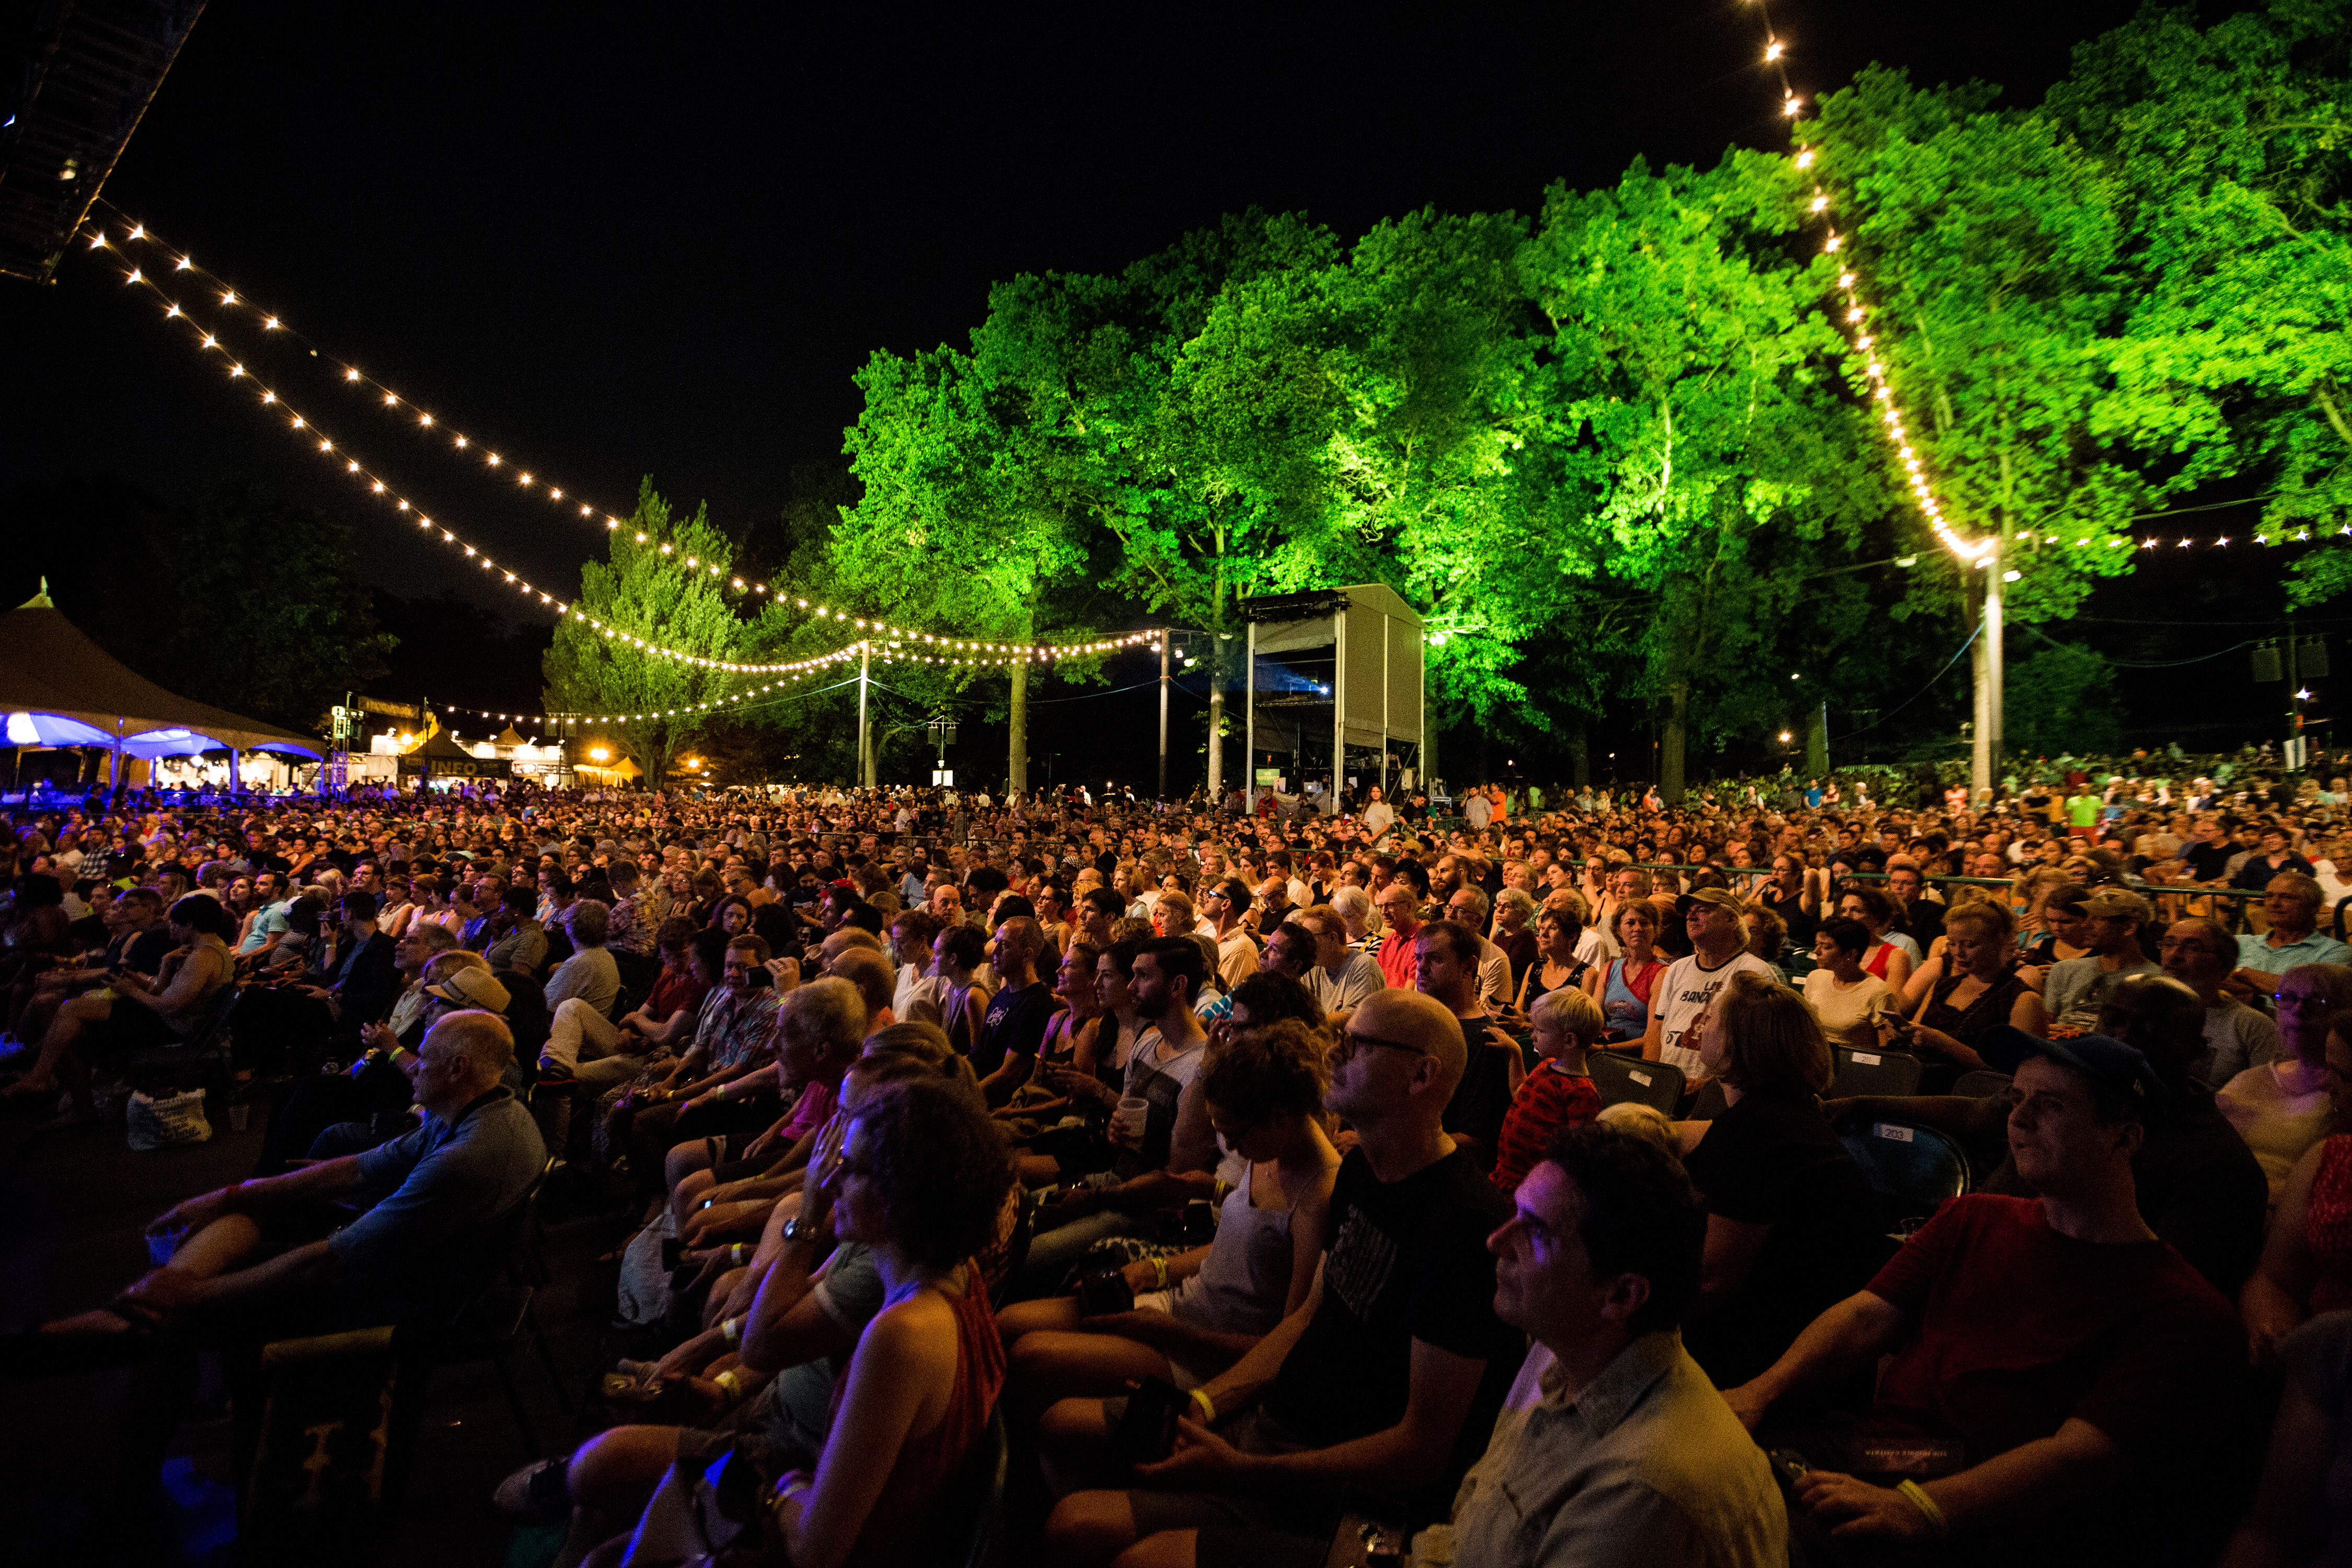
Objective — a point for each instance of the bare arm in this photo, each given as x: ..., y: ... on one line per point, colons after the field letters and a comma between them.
x: 1411, y: 1454
x: 906, y: 1358
x: 2288, y: 1523
x: 1851, y: 1334
x: 1732, y: 1248
x: 2277, y: 1295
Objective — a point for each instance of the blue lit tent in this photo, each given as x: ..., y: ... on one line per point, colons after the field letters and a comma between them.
x: 59, y: 688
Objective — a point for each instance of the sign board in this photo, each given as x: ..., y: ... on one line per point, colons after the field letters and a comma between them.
x: 944, y: 777
x: 411, y: 711
x: 1270, y: 776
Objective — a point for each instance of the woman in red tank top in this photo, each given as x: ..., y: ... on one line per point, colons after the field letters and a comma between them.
x: 920, y: 1179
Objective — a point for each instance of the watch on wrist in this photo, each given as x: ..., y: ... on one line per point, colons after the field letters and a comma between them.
x: 798, y: 1229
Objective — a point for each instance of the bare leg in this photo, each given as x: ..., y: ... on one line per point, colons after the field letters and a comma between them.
x: 64, y: 1031
x: 689, y: 1190
x: 1046, y: 1367
x: 214, y: 1250
x: 611, y: 1478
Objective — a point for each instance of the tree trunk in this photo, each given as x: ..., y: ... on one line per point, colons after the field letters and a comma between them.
x: 1580, y: 755
x: 1016, y: 772
x: 1671, y: 740
x: 1817, y: 741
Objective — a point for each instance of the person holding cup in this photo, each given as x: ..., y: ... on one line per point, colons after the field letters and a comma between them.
x: 1167, y: 975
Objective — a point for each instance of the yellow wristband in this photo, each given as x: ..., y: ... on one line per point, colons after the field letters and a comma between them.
x: 735, y: 1255
x: 1919, y: 1499
x: 1160, y: 1272
x: 733, y: 1386
x: 731, y: 1328
x: 1208, y: 1407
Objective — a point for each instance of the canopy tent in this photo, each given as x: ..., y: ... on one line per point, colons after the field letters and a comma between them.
x: 442, y: 758
x: 59, y: 688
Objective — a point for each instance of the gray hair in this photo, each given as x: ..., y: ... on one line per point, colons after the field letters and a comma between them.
x: 1516, y: 899
x: 1352, y: 903
x: 589, y: 922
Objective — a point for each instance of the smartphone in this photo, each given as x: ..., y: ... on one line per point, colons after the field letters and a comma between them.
x: 1147, y: 1429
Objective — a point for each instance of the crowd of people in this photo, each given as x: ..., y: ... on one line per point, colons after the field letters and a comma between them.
x: 1250, y: 1171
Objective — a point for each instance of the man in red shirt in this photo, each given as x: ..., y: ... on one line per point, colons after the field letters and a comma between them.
x: 2061, y: 1378
x: 1399, y: 906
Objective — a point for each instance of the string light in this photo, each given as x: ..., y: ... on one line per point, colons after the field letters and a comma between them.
x: 460, y: 441
x: 1861, y: 333
x: 377, y: 485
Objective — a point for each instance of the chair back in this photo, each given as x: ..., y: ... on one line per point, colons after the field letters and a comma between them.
x: 1874, y: 1072
x: 986, y: 1468
x: 1912, y: 1168
x: 1981, y: 1084
x: 1618, y: 1076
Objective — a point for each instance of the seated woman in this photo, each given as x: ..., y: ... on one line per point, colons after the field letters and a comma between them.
x: 919, y: 1182
x: 1623, y: 985
x: 1196, y: 1313
x: 1891, y: 955
x: 1556, y: 1091
x: 1850, y: 1002
x: 2306, y: 1264
x: 1973, y: 987
x: 141, y: 1012
x: 2281, y: 1109
x: 1555, y: 965
x: 1792, y: 1226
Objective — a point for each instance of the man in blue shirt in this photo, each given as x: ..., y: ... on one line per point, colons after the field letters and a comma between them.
x: 2291, y: 901
x: 439, y: 1194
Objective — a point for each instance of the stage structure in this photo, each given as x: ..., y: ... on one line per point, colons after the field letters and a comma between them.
x: 1335, y: 686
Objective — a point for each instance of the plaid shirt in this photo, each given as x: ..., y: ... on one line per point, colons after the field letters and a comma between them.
x: 737, y: 1029
x: 627, y: 930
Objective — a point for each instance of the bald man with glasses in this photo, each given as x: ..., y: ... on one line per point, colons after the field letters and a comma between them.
x: 1383, y: 1386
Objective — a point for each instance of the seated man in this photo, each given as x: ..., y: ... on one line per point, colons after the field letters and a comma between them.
x: 2291, y: 900
x: 1612, y: 1446
x: 2068, y: 1375
x: 245, y: 1266
x: 1381, y: 1389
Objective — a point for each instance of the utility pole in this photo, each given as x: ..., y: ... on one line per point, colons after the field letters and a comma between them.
x: 865, y: 674
x: 1984, y: 762
x: 1164, y: 639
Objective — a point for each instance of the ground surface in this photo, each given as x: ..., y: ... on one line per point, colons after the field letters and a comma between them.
x: 72, y: 1209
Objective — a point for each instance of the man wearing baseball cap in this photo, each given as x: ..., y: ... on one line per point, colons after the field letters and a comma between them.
x: 2062, y: 1372
x: 1718, y: 952
x: 2075, y: 990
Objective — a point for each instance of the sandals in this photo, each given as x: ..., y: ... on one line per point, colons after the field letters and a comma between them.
x: 538, y: 1493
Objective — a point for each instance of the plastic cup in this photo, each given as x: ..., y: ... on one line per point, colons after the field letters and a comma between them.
x: 162, y: 1245
x: 1134, y: 1112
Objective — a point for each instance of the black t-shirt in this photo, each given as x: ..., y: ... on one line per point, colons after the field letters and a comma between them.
x: 1773, y: 1159
x: 2208, y: 861
x: 146, y: 951
x: 1802, y: 927
x: 1015, y: 1022
x: 1408, y: 1261
x: 1483, y: 1096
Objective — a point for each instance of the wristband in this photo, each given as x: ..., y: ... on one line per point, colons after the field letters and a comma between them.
x: 791, y: 1489
x: 735, y: 1255
x: 1160, y: 1272
x: 731, y: 1328
x: 720, y: 1092
x: 1208, y: 1407
x: 1918, y: 1498
x: 732, y: 1386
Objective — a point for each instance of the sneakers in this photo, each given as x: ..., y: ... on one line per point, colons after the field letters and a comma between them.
x: 537, y: 1493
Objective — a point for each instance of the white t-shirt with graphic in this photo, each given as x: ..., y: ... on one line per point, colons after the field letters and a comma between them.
x: 1683, y: 993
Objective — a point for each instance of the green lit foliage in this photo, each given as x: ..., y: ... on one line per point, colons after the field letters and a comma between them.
x: 640, y: 592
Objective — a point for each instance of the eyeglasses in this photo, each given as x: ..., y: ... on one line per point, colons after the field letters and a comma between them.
x: 1351, y: 1042
x: 2301, y: 1000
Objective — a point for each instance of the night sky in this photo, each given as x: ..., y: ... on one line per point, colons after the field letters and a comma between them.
x: 658, y: 240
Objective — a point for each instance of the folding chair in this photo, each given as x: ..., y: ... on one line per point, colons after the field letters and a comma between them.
x: 1912, y: 1169
x: 1874, y: 1072
x: 1981, y: 1084
x: 1618, y: 1076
